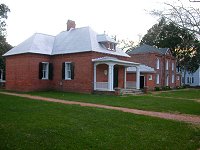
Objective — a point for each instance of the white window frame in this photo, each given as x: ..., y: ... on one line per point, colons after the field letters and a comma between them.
x: 150, y: 77
x: 67, y: 69
x: 45, y: 71
x: 173, y: 78
x: 157, y: 79
x: 172, y: 66
x: 158, y: 63
x: 167, y: 65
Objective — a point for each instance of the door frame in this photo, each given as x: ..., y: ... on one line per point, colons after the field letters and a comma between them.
x: 144, y: 80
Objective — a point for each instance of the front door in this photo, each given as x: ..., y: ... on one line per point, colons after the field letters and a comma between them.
x: 141, y: 82
x: 115, y: 77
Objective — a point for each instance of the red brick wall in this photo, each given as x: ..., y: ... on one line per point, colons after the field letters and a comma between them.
x: 150, y: 59
x: 101, y: 77
x: 83, y: 72
x: 22, y: 73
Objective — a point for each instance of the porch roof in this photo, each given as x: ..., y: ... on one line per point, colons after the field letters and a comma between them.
x: 114, y: 60
x: 143, y: 68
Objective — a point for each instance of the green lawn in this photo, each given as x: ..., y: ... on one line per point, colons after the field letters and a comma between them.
x: 30, y: 124
x: 187, y: 94
x: 144, y: 102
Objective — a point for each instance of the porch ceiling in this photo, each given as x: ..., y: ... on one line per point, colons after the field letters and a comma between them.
x: 108, y: 60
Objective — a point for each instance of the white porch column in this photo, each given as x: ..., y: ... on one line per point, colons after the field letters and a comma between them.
x: 110, y: 77
x: 125, y: 77
x: 137, y: 77
x: 95, y: 76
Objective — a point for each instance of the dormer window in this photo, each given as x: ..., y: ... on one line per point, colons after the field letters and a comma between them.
x: 110, y: 46
x: 107, y: 42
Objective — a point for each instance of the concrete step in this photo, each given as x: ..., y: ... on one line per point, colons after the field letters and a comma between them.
x: 131, y: 91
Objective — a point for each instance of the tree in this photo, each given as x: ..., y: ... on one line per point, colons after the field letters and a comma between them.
x: 4, y: 46
x: 126, y: 45
x: 183, y: 44
x: 3, y: 16
x: 184, y: 17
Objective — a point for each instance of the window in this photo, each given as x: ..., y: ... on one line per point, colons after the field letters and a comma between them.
x: 172, y: 66
x: 188, y: 79
x: 45, y: 71
x: 192, y: 80
x: 1, y: 74
x: 157, y: 79
x: 157, y: 63
x: 68, y: 71
x: 172, y: 78
x: 167, y: 80
x: 167, y: 65
x: 150, y: 77
x: 178, y: 77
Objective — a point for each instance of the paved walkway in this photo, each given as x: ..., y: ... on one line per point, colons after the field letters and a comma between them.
x: 179, y: 117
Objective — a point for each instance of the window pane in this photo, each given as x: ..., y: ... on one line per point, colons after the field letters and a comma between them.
x: 67, y: 70
x: 45, y: 71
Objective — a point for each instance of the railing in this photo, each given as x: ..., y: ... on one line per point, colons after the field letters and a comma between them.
x: 101, y: 85
x: 130, y: 84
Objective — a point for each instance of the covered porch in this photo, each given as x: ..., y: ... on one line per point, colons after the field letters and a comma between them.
x: 110, y: 73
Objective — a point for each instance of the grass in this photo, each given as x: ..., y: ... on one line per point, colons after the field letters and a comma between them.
x: 186, y: 94
x: 144, y: 102
x: 29, y: 124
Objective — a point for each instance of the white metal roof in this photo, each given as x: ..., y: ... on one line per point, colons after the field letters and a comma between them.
x: 114, y: 60
x: 73, y: 41
x: 105, y: 38
x: 37, y: 43
x: 143, y: 68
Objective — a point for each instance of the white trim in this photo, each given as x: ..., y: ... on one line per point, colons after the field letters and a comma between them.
x: 137, y: 78
x: 110, y: 76
x: 125, y: 77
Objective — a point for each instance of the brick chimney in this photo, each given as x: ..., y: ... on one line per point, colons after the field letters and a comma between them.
x: 70, y: 24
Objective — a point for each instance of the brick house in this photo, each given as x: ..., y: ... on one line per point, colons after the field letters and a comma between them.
x: 163, y: 63
x: 78, y: 60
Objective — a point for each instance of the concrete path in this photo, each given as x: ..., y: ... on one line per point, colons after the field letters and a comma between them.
x: 179, y: 117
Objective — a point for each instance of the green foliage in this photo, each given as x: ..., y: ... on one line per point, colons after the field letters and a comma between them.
x: 4, y: 46
x: 30, y: 125
x: 164, y: 88
x: 157, y: 88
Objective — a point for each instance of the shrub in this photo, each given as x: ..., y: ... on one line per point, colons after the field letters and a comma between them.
x: 164, y: 88
x: 157, y: 88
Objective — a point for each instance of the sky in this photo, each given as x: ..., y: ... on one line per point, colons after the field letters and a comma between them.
x: 127, y: 19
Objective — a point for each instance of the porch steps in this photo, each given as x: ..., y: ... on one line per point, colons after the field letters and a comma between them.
x: 131, y: 92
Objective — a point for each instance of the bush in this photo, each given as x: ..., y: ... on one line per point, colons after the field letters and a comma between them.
x: 164, y: 88
x: 157, y: 88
